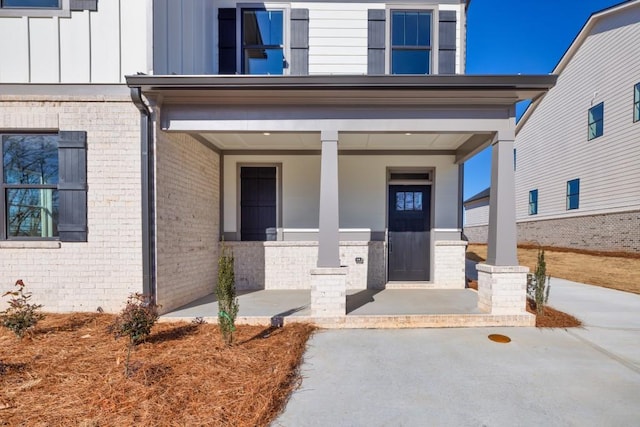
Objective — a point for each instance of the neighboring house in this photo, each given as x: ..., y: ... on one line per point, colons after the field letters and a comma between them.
x: 578, y: 157
x: 291, y: 135
x: 578, y: 147
x: 476, y: 217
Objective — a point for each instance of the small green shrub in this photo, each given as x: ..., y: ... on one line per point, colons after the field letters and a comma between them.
x: 538, y: 283
x: 226, y: 295
x: 135, y: 321
x: 21, y: 316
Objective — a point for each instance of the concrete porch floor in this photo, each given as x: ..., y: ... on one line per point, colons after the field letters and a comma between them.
x: 371, y: 308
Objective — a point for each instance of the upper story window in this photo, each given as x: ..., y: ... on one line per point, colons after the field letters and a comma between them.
x: 263, y: 41
x: 533, y: 202
x: 30, y: 184
x: 573, y: 194
x: 636, y: 102
x: 410, y: 42
x: 596, y: 121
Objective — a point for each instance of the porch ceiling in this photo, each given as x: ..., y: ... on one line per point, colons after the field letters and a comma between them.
x: 348, y: 141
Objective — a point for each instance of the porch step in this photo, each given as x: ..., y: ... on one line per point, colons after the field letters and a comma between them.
x: 384, y: 321
x: 410, y: 285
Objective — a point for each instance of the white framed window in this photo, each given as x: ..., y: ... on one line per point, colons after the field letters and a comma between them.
x: 35, y: 8
x: 411, y: 41
x: 263, y: 39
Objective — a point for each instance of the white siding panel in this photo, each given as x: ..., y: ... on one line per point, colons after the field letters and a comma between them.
x: 553, y: 147
x: 14, y: 50
x: 477, y: 215
x: 134, y: 39
x: 75, y: 48
x: 105, y: 43
x: 44, y: 50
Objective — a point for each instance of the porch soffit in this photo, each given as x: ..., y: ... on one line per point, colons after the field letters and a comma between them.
x: 459, y: 112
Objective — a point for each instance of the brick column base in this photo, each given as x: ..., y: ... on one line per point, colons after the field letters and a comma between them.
x: 329, y: 292
x: 502, y: 289
x: 448, y: 262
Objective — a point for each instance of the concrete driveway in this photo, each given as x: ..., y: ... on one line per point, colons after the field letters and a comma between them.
x: 458, y: 377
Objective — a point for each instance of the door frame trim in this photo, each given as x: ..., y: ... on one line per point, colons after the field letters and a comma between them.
x: 409, y: 169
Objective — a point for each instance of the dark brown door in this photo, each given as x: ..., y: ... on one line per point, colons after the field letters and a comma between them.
x: 257, y: 202
x: 409, y: 227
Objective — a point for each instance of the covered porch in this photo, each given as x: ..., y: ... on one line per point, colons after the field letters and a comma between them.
x: 355, y: 194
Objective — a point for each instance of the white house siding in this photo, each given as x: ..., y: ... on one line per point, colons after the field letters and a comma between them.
x: 363, y: 188
x: 101, y: 272
x: 476, y: 220
x: 338, y: 37
x: 185, y: 34
x: 552, y: 145
x: 87, y: 47
x: 188, y: 218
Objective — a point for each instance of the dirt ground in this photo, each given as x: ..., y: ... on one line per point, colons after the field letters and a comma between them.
x: 70, y: 371
x: 616, y: 271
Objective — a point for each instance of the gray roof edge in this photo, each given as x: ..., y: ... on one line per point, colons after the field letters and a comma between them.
x: 440, y: 82
x: 484, y: 194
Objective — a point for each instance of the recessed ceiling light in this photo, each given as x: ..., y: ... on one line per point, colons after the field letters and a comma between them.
x: 408, y: 133
x: 266, y: 133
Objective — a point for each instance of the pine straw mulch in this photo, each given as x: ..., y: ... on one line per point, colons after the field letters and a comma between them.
x: 70, y: 371
x: 549, y: 318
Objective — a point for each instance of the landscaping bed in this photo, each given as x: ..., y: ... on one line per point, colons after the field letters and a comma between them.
x: 70, y: 371
x: 549, y: 318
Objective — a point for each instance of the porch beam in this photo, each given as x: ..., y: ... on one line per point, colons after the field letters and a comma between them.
x: 502, y: 239
x: 328, y: 235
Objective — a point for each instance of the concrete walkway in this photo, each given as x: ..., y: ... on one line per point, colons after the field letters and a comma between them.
x: 457, y: 377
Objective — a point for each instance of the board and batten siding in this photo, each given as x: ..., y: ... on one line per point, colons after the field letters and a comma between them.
x: 88, y: 47
x: 185, y: 34
x: 552, y: 145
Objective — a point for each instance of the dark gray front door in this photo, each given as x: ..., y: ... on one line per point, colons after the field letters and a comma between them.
x: 409, y: 226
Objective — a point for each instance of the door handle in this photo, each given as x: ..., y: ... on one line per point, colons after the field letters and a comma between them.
x: 390, y: 246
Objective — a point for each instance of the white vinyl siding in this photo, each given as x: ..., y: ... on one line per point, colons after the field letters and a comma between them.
x: 552, y: 145
x: 86, y: 47
x: 476, y: 213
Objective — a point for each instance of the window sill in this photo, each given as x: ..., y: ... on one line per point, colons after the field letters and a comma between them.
x: 25, y: 244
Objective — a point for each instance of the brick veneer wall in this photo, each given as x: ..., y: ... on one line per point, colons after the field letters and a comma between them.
x: 477, y: 234
x: 606, y: 232
x: 288, y: 264
x: 609, y: 232
x: 188, y: 218
x: 82, y: 276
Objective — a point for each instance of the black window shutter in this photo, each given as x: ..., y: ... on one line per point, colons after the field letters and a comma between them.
x: 72, y: 186
x: 447, y: 42
x: 376, y: 41
x: 227, y: 41
x: 299, y: 64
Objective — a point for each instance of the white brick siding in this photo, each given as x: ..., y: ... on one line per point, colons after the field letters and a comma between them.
x: 188, y: 218
x: 328, y: 291
x: 67, y: 276
x: 502, y: 290
x: 449, y: 265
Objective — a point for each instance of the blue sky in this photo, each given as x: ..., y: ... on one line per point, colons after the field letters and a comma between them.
x: 519, y: 37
